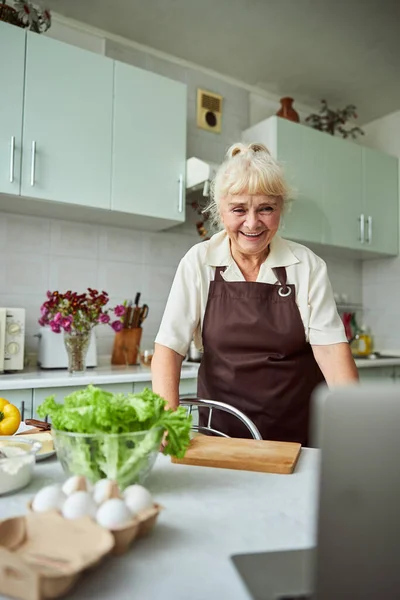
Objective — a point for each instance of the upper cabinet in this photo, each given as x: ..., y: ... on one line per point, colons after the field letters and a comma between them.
x: 12, y: 46
x: 67, y: 124
x: 346, y: 195
x: 300, y: 156
x: 96, y: 139
x: 342, y: 198
x: 381, y: 201
x: 149, y: 144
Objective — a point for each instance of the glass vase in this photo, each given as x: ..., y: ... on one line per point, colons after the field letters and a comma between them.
x: 77, y: 344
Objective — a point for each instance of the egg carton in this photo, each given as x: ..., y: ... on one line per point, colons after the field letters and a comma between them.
x: 123, y: 536
x: 33, y: 563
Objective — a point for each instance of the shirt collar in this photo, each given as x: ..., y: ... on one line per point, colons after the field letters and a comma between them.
x: 219, y: 253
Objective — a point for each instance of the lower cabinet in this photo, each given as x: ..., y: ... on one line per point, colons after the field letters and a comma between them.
x: 385, y: 374
x: 28, y: 400
x: 22, y: 399
x: 40, y: 394
x: 186, y: 386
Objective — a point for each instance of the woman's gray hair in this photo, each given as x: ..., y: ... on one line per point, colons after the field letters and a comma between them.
x: 247, y: 169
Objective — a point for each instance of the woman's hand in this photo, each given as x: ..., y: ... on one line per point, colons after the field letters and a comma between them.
x: 164, y: 442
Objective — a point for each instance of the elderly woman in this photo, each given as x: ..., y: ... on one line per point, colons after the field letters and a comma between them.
x: 260, y: 307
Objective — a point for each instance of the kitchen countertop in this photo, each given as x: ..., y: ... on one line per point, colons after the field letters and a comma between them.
x: 209, y: 515
x: 40, y: 378
x: 377, y: 362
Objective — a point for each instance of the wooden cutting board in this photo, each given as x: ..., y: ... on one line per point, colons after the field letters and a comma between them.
x: 244, y: 455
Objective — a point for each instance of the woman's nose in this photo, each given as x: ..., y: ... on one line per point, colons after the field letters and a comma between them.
x: 252, y: 220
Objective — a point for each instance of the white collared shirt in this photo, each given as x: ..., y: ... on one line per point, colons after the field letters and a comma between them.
x: 184, y: 313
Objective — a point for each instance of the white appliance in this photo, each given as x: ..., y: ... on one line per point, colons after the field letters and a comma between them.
x: 199, y: 174
x: 52, y: 353
x: 12, y: 339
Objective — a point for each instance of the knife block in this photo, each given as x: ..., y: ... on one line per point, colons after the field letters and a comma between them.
x: 126, y: 346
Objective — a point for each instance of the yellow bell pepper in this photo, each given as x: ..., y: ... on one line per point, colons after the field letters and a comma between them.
x: 10, y: 417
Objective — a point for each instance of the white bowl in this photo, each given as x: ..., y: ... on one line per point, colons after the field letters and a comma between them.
x: 16, y: 468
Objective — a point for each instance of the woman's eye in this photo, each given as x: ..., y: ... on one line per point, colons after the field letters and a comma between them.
x: 238, y: 211
x: 267, y: 209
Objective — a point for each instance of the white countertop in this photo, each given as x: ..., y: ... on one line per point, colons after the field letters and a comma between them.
x: 377, y: 362
x: 40, y: 378
x: 209, y: 515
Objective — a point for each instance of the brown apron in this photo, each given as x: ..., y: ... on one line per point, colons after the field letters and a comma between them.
x: 256, y: 358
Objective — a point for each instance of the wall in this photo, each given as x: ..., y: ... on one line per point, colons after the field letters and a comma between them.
x: 381, y: 278
x: 40, y: 254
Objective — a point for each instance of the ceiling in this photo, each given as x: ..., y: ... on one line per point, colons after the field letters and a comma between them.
x: 345, y: 51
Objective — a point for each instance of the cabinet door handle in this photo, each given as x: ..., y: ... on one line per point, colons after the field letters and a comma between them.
x: 362, y: 228
x: 12, y: 155
x: 33, y: 163
x: 180, y: 202
x: 369, y: 230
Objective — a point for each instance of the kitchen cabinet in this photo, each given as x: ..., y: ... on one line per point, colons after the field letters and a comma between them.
x: 67, y: 124
x: 149, y: 145
x: 381, y: 201
x: 347, y: 195
x: 12, y: 46
x: 384, y: 374
x: 98, y: 140
x: 342, y: 197
x: 22, y: 399
x: 301, y: 155
x: 186, y: 386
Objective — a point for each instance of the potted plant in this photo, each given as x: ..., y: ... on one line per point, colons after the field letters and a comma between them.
x: 75, y: 315
x: 332, y: 121
x: 25, y: 14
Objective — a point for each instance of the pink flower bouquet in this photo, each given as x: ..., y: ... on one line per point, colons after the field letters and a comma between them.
x: 79, y: 312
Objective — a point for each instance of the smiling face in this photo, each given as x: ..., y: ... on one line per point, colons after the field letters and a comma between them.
x: 251, y: 221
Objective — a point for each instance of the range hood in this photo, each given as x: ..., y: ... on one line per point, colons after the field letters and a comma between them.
x: 199, y: 174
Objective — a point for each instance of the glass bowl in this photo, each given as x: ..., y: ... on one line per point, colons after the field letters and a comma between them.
x: 126, y: 458
x: 145, y: 357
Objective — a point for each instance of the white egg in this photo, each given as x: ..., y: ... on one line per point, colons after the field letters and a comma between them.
x: 50, y: 497
x: 101, y: 490
x: 138, y: 498
x: 74, y: 484
x: 79, y: 504
x: 113, y: 514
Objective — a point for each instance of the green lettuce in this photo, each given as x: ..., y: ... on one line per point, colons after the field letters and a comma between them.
x: 126, y: 459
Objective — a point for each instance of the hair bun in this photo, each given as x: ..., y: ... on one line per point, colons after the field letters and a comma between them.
x: 243, y: 149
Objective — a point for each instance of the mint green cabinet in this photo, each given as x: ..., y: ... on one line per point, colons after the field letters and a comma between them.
x: 303, y: 160
x: 149, y: 145
x: 342, y: 196
x: 67, y: 124
x: 22, y: 399
x: 381, y: 201
x: 40, y: 394
x: 12, y: 51
x: 347, y: 195
x: 384, y: 374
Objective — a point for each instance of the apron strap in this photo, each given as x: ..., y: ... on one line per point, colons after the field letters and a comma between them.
x: 280, y: 273
x: 218, y: 273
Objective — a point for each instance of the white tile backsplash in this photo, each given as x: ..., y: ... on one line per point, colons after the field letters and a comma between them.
x: 25, y: 273
x: 157, y: 282
x: 120, y: 279
x: 73, y: 273
x: 121, y: 245
x: 27, y: 234
x: 74, y: 239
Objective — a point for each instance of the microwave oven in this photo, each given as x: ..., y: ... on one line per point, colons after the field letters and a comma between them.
x: 12, y: 339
